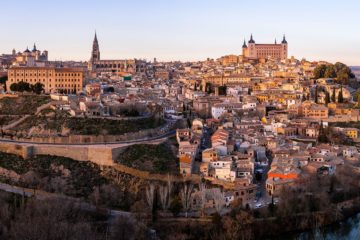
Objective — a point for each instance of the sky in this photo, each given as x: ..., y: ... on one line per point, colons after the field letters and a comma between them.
x: 184, y: 30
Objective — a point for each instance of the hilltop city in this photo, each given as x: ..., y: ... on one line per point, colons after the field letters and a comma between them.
x: 232, y: 143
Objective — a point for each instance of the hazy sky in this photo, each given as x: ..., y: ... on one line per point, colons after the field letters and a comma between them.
x: 181, y: 29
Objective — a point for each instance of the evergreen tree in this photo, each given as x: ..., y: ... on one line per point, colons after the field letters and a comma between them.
x: 333, y: 96
x: 340, y: 96
x: 322, y: 134
x: 316, y: 94
x: 327, y: 97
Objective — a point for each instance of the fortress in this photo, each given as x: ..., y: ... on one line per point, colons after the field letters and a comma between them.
x: 262, y: 51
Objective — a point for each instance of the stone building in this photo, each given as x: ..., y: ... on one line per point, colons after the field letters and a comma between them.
x: 55, y: 80
x: 263, y: 51
x: 112, y: 67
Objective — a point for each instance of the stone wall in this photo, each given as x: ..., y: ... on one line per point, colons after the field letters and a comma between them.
x: 102, y: 155
x: 18, y: 149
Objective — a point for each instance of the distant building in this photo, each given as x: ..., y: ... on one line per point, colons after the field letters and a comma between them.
x: 263, y: 51
x: 26, y: 58
x: 55, y: 80
x: 112, y: 67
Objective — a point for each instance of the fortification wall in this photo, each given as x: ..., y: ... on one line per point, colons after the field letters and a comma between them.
x: 18, y: 149
x: 102, y: 155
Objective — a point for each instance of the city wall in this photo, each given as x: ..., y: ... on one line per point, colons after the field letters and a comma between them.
x: 102, y: 155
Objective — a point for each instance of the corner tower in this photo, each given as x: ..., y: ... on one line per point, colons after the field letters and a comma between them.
x: 284, y: 48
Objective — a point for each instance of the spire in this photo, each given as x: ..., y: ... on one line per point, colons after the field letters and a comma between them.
x: 95, y: 54
x: 275, y: 41
x: 244, y: 45
x: 95, y: 38
x: 34, y: 48
x: 284, y: 40
x: 251, y: 39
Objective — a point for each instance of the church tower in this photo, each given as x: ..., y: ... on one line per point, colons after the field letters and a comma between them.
x: 95, y: 54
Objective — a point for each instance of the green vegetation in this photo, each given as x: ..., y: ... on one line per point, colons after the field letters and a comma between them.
x: 147, y: 157
x: 80, y: 181
x: 5, y: 120
x: 26, y: 87
x: 3, y: 80
x: 97, y: 126
x: 49, y: 119
x: 339, y: 71
x: 25, y: 104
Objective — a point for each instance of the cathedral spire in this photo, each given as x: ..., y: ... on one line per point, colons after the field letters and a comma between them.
x: 95, y: 38
x: 95, y: 54
x: 284, y: 40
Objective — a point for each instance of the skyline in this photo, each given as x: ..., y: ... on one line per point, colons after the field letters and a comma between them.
x: 181, y: 30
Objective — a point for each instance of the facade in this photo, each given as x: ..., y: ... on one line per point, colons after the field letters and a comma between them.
x: 263, y: 51
x: 112, y: 67
x: 55, y: 80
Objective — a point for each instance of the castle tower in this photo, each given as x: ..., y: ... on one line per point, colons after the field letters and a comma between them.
x: 95, y: 54
x: 252, y: 47
x: 284, y: 48
x: 244, y: 49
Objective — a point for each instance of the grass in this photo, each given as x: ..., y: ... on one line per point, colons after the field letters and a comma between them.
x: 22, y: 105
x: 147, y: 157
x: 84, y: 176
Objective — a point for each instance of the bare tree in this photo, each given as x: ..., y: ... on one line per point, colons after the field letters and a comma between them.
x: 185, y: 195
x: 163, y: 193
x: 219, y: 199
x: 170, y: 187
x: 202, y: 190
x: 150, y: 194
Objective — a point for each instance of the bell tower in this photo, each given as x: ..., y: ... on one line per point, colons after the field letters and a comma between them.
x: 95, y: 54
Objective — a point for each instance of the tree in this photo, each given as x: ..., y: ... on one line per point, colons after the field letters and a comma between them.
x: 327, y: 98
x: 330, y: 72
x: 3, y: 81
x: 37, y: 88
x: 175, y: 206
x: 322, y: 134
x: 316, y: 94
x: 219, y: 199
x: 208, y: 88
x: 150, y: 194
x: 163, y: 193
x: 319, y: 71
x: 202, y: 189
x: 185, y: 196
x: 333, y: 96
x: 340, y: 96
